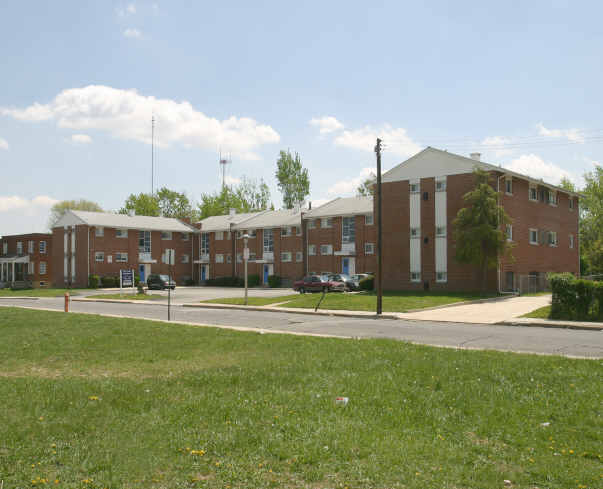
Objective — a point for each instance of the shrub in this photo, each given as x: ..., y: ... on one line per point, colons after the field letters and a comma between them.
x: 274, y: 281
x: 367, y: 283
x: 136, y: 279
x: 598, y: 297
x: 584, y: 297
x: 93, y: 281
x: 563, y: 295
x: 140, y: 288
x: 189, y: 282
x: 110, y: 282
x: 575, y: 298
x: 253, y: 280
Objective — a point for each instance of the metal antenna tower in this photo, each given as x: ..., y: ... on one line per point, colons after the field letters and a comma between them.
x: 223, y: 162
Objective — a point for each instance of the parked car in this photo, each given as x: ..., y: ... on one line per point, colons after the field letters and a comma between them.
x: 318, y: 283
x: 346, y: 279
x: 357, y: 278
x: 160, y: 282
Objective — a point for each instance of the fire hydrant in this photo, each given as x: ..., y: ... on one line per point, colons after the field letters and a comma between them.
x: 66, y: 301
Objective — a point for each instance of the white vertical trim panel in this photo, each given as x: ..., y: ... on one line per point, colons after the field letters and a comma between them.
x: 441, y: 243
x: 415, y: 222
x: 415, y: 255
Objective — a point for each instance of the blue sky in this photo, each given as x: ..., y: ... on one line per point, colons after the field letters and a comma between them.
x: 518, y: 81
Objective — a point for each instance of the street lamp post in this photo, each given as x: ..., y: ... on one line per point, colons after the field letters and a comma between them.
x: 245, y: 258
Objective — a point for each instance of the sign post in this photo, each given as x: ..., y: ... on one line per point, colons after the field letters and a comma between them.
x: 126, y: 279
x: 170, y: 256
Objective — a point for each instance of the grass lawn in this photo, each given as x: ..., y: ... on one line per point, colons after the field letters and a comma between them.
x: 545, y: 313
x: 127, y: 297
x: 96, y: 402
x: 363, y: 301
x: 41, y: 292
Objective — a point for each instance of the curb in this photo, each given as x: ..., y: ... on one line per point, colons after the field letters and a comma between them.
x: 120, y: 301
x: 21, y: 298
x: 553, y: 324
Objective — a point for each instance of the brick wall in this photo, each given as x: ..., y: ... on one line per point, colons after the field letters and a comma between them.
x: 36, y: 257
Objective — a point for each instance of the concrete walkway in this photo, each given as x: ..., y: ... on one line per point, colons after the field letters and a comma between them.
x: 484, y: 313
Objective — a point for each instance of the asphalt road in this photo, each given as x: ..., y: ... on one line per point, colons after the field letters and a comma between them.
x: 460, y: 335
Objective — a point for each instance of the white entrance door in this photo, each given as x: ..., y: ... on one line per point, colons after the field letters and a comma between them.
x: 204, y: 272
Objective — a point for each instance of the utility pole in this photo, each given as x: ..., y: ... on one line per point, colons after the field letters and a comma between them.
x: 152, y: 154
x: 379, y: 229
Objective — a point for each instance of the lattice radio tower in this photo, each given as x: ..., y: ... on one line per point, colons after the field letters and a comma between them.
x: 224, y: 161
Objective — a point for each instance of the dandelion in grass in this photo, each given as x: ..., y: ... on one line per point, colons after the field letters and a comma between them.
x: 93, y: 398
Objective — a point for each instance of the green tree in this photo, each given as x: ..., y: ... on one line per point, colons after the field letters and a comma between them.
x: 367, y: 187
x: 591, y: 225
x: 58, y: 209
x: 174, y: 204
x: 141, y: 205
x: 293, y: 180
x: 478, y: 227
x: 567, y: 184
x: 248, y: 196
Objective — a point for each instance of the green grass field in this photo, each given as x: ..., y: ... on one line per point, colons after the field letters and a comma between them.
x: 41, y: 292
x: 95, y: 402
x: 540, y: 313
x: 254, y: 301
x: 364, y: 301
x: 127, y: 297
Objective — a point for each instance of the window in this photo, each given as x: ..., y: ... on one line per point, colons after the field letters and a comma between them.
x: 552, y: 197
x: 509, y: 232
x: 5, y: 248
x: 121, y: 233
x: 369, y: 248
x: 42, y: 247
x: 19, y: 247
x: 533, y: 194
x: 31, y: 268
x: 252, y: 256
x: 297, y: 230
x: 240, y: 234
x: 552, y: 238
x: 326, y: 249
x: 415, y: 188
x: 326, y: 222
x: 286, y: 256
x: 165, y: 257
x: 509, y: 186
x: 571, y: 203
x: 166, y: 235
x: 415, y: 276
x: 42, y: 268
x: 441, y: 185
x: 534, y: 236
x: 30, y: 246
x: 415, y: 232
x: 268, y: 241
x: 252, y: 233
x: 348, y: 233
x: 571, y: 240
x: 219, y: 235
x: 184, y: 259
x: 229, y: 258
x: 144, y: 241
x: 99, y: 232
x: 99, y: 256
x: 286, y: 231
x: 219, y: 258
x: 312, y: 250
x: 205, y: 243
x: 441, y: 231
x: 184, y: 236
x: 311, y: 224
x: 121, y: 257
x: 441, y: 277
x: 368, y: 220
x: 239, y: 258
x: 299, y: 256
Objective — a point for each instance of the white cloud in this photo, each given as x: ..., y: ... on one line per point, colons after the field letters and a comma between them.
x: 131, y: 8
x: 569, y: 134
x: 81, y: 138
x: 229, y: 180
x: 3, y: 143
x: 11, y: 203
x: 496, y: 144
x: 326, y: 124
x: 126, y: 114
x: 535, y: 167
x: 349, y: 186
x: 395, y: 140
x: 132, y: 33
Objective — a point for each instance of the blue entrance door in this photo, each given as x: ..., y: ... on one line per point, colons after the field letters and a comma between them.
x: 204, y: 272
x: 346, y: 266
x: 266, y: 273
x: 141, y: 273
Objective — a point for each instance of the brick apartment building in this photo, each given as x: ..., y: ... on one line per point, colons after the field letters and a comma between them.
x: 421, y: 198
x: 26, y: 258
x: 98, y: 243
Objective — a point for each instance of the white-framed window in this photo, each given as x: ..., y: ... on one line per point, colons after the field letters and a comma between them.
x: 121, y: 233
x: 286, y: 256
x: 31, y: 266
x: 441, y: 277
x: 99, y: 232
x: 144, y: 241
x: 184, y: 236
x: 369, y: 248
x: 30, y: 247
x: 509, y: 186
x: 99, y: 256
x: 42, y: 268
x: 415, y: 187
x: 299, y: 256
x: 121, y: 257
x: 415, y: 276
x: 240, y: 233
x: 42, y: 247
x: 368, y: 220
x: 165, y: 257
x: 252, y: 233
x: 252, y: 256
x: 205, y: 243
x: 415, y: 232
x: 229, y: 258
x: 311, y: 224
x: 19, y: 247
x: 348, y: 230
x: 297, y: 230
x: 571, y: 203
x: 239, y: 258
x: 509, y: 232
x: 552, y: 197
x: 326, y: 222
x: 312, y: 250
x: 441, y: 231
x: 326, y: 249
x: 184, y: 259
x: 219, y: 235
x: 166, y: 235
x: 533, y: 195
x: 571, y: 241
x: 268, y: 241
x: 533, y: 236
x: 441, y: 184
x: 219, y: 258
x: 5, y: 248
x: 286, y: 231
x: 552, y: 238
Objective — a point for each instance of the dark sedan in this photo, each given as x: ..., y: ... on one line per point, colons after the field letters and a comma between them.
x: 318, y: 283
x: 160, y: 282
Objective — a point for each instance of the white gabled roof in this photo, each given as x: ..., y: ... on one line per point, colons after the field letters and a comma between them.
x: 123, y: 221
x: 223, y: 223
x: 272, y: 219
x: 349, y: 206
x: 433, y: 162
